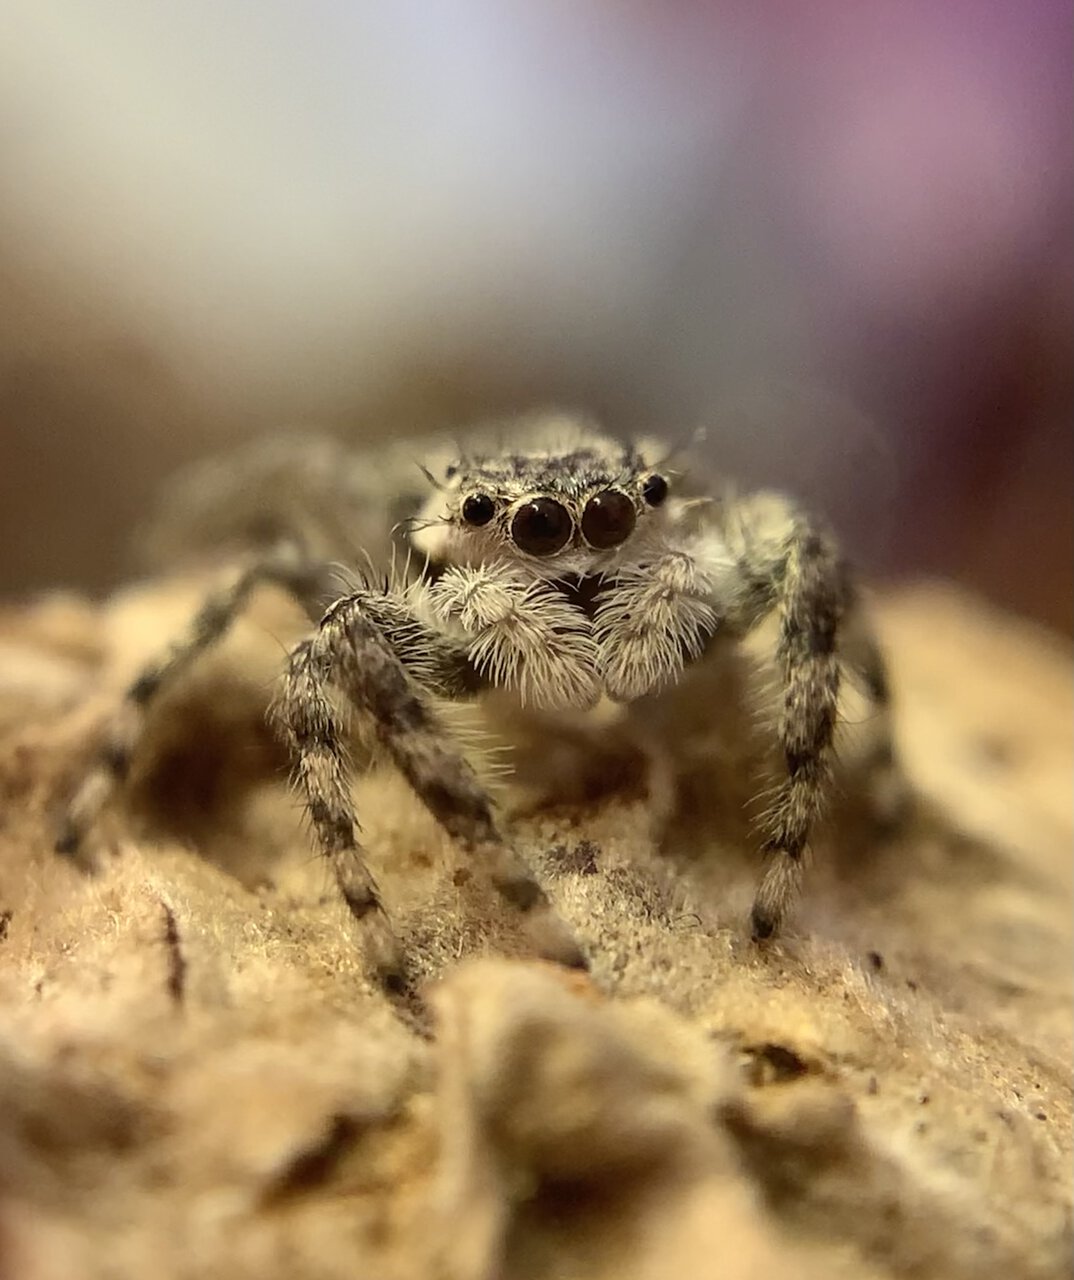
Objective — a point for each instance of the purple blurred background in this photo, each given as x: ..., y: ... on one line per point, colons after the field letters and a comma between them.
x: 838, y: 236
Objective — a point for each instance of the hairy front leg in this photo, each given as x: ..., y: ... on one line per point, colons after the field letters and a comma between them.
x: 384, y: 661
x: 787, y: 564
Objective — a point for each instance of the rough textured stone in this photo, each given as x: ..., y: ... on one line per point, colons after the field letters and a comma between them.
x: 198, y: 1079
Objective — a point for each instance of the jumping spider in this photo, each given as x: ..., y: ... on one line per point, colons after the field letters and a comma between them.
x: 565, y: 567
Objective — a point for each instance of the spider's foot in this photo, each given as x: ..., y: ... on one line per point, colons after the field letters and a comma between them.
x: 71, y: 845
x: 763, y: 925
x: 776, y: 895
x: 546, y: 933
x: 382, y: 949
x: 384, y: 954
x: 553, y: 940
x: 68, y: 844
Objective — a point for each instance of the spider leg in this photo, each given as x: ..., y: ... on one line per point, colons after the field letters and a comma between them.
x: 864, y: 662
x: 285, y: 567
x: 385, y: 662
x: 786, y: 563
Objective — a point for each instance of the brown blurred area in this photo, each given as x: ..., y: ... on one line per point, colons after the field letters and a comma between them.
x: 714, y: 244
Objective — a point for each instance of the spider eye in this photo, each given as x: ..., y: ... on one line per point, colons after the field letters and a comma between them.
x: 542, y: 527
x: 608, y: 519
x: 478, y: 509
x: 654, y: 490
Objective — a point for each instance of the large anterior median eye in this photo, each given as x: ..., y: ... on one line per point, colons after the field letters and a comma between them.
x: 608, y: 519
x: 542, y: 527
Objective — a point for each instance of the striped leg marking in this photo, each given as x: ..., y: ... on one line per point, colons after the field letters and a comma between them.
x: 124, y: 734
x: 353, y: 653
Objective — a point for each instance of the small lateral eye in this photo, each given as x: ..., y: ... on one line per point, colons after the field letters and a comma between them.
x: 542, y: 527
x: 654, y: 490
x: 478, y: 509
x: 608, y: 519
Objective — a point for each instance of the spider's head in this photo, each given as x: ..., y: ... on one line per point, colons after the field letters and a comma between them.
x: 560, y: 499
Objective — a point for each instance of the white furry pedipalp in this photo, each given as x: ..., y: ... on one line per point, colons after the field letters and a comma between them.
x: 525, y: 635
x: 654, y: 619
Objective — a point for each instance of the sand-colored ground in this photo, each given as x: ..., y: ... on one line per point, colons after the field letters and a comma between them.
x: 197, y: 1079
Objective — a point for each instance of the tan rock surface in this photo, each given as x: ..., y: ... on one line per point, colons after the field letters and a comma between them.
x: 196, y: 1078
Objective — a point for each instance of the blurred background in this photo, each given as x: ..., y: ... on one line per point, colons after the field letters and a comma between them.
x: 835, y: 235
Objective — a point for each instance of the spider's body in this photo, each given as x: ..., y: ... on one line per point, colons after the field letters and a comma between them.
x: 555, y: 563
x: 569, y: 568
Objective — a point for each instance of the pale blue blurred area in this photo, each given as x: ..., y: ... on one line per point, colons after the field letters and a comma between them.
x: 325, y: 183
x: 837, y: 236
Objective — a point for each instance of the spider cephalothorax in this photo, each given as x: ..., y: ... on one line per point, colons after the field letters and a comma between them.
x: 550, y: 561
x: 566, y: 563
x: 559, y: 506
